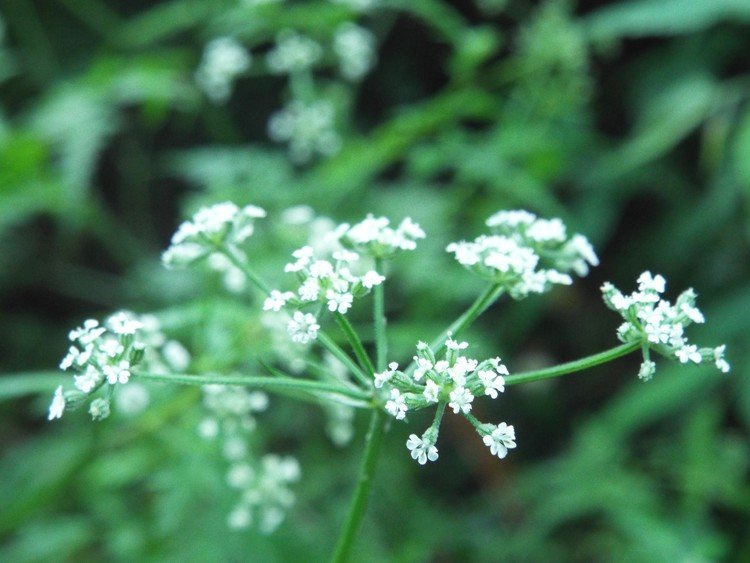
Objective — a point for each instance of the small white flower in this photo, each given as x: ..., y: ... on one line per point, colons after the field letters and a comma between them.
x: 118, y: 373
x: 371, y: 279
x: 303, y: 327
x: 383, y: 377
x: 721, y: 364
x: 396, y: 405
x: 431, y: 391
x: 693, y: 313
x: 340, y: 302
x: 423, y: 366
x: 87, y: 381
x: 421, y: 450
x: 648, y: 282
x: 57, y: 408
x: 689, y: 353
x: 303, y: 256
x: 460, y: 400
x: 500, y: 440
x: 492, y: 383
x: 453, y: 345
x: 309, y: 290
x: 321, y: 269
x: 277, y: 300
x: 647, y: 370
x: 123, y: 323
x: 99, y: 408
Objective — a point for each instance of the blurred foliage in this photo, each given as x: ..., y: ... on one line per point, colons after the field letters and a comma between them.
x: 628, y: 119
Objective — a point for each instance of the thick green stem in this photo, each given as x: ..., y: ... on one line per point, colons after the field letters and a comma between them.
x: 574, y: 366
x: 364, y: 485
x: 381, y: 340
x: 271, y: 384
x: 356, y: 344
x: 328, y: 343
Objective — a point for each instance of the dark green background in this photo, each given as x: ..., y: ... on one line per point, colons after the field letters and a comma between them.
x: 630, y: 120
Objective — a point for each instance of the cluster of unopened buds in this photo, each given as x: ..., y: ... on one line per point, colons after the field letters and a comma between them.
x: 454, y: 380
x: 659, y: 325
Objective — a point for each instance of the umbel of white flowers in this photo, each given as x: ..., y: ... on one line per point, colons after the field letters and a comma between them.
x: 525, y: 254
x: 454, y: 380
x: 102, y: 356
x: 660, y: 326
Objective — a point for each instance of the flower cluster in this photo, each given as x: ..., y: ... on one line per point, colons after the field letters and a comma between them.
x: 308, y: 128
x: 212, y: 230
x: 454, y: 380
x: 263, y: 483
x: 292, y: 53
x: 355, y: 48
x: 103, y: 355
x: 525, y: 254
x: 659, y: 325
x: 331, y: 283
x: 373, y: 236
x: 223, y: 59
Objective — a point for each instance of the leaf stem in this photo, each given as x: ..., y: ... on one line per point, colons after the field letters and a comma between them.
x: 271, y: 384
x: 574, y: 366
x: 356, y: 344
x: 328, y: 343
x: 364, y: 485
x: 381, y: 339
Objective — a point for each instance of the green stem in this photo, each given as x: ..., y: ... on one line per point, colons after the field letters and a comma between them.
x: 328, y: 343
x: 480, y: 305
x: 574, y: 366
x: 381, y: 339
x: 356, y: 344
x: 266, y: 383
x: 364, y: 485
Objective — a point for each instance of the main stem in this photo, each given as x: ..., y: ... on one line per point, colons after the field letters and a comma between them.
x: 374, y: 437
x: 358, y: 506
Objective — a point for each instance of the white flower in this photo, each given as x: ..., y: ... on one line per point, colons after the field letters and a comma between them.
x: 293, y: 53
x: 648, y: 282
x: 396, y: 405
x: 721, y: 364
x: 277, y: 300
x: 57, y: 408
x: 309, y: 128
x: 99, y: 408
x: 453, y: 345
x: 492, y: 383
x: 303, y: 256
x: 355, y: 47
x: 123, y: 323
x: 371, y: 279
x: 460, y: 400
x: 647, y: 370
x: 223, y: 59
x: 421, y: 449
x: 303, y: 327
x: 689, y: 353
x: 87, y: 381
x: 340, y: 302
x: 431, y: 391
x: 692, y: 313
x: 383, y: 377
x: 374, y: 236
x: 118, y: 373
x: 423, y: 366
x: 309, y: 290
x: 500, y: 440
